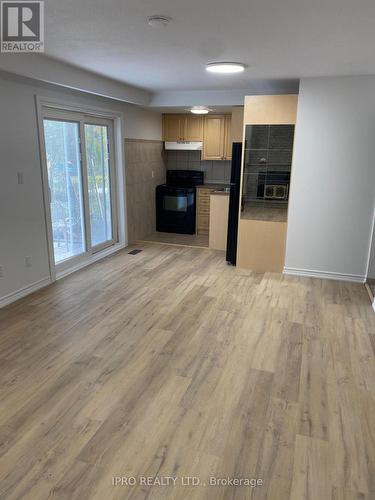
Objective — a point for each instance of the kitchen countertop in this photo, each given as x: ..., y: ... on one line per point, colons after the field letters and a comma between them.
x: 220, y: 193
x: 212, y: 186
x: 263, y: 212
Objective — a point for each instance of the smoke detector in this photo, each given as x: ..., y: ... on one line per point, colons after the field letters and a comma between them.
x: 156, y: 21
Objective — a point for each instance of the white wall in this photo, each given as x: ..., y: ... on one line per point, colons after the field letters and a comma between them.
x: 22, y: 223
x: 186, y: 98
x: 333, y: 177
x: 43, y: 68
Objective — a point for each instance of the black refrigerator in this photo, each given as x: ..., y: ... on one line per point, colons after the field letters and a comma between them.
x: 234, y: 203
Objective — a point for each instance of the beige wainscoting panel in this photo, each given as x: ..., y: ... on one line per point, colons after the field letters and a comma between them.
x: 145, y: 169
x: 219, y: 207
x: 261, y: 245
x: 270, y: 109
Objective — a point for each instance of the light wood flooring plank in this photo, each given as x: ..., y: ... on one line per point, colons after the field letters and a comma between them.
x: 172, y: 363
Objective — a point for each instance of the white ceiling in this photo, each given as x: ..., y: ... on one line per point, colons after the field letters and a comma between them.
x: 279, y: 40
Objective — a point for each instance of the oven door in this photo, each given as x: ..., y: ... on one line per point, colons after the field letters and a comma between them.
x: 175, y: 210
x: 175, y: 203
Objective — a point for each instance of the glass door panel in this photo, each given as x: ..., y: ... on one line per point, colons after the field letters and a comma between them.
x: 65, y: 184
x: 99, y: 183
x: 266, y: 172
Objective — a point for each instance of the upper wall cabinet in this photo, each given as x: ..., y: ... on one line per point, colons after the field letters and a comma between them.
x: 173, y: 128
x: 182, y: 127
x: 217, y: 138
x: 193, y: 128
x: 214, y: 130
x: 213, y: 137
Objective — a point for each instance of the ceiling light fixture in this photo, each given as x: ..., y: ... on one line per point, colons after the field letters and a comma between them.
x: 225, y: 67
x: 157, y: 21
x: 199, y: 110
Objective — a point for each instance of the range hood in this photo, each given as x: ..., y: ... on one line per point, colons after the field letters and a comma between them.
x: 183, y: 145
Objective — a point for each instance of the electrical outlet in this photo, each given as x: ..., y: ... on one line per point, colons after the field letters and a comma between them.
x: 20, y: 177
x: 152, y: 174
x: 1, y: 272
x: 28, y: 261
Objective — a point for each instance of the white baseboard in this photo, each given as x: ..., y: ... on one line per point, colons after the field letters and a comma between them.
x: 22, y: 292
x: 93, y: 258
x: 12, y: 297
x: 309, y: 273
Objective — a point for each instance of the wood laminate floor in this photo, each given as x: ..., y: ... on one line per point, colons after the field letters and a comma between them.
x: 371, y: 287
x: 171, y: 363
x: 189, y: 240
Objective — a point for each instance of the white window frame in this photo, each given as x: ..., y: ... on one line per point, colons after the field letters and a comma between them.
x: 58, y: 110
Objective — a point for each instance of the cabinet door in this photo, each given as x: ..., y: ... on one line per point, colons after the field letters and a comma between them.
x: 203, y: 210
x: 213, y: 137
x: 228, y: 138
x: 193, y: 128
x: 173, y: 127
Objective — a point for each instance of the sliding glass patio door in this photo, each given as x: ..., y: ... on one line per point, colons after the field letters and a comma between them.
x: 99, y: 183
x: 79, y: 159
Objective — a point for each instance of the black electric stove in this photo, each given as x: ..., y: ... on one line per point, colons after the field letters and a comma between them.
x: 176, y: 201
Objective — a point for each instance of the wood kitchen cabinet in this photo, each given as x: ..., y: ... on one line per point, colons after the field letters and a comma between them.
x: 217, y: 137
x: 213, y: 137
x: 172, y: 127
x: 214, y: 130
x: 193, y: 128
x: 203, y: 209
x: 182, y: 127
x: 269, y: 132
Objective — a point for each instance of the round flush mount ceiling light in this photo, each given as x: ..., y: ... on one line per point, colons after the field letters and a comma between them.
x: 159, y: 21
x: 199, y: 110
x: 225, y: 67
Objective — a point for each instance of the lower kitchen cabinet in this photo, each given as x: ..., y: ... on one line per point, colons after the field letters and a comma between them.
x: 203, y: 209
